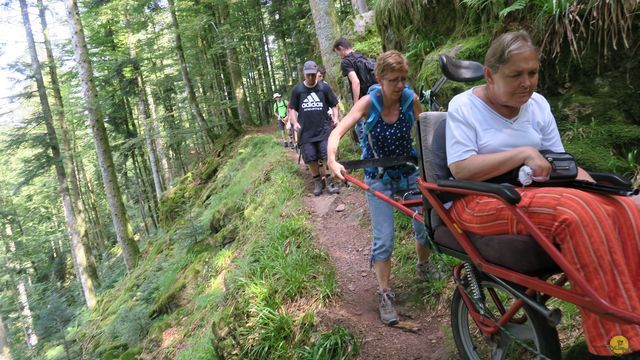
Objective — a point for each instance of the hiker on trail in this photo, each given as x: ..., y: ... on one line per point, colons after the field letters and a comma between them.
x: 320, y: 80
x: 358, y: 69
x: 501, y: 125
x: 280, y: 111
x: 309, y: 104
x: 391, y: 108
x: 333, y: 187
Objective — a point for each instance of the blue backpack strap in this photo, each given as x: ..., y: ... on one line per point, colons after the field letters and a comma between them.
x: 406, y: 101
x: 375, y: 94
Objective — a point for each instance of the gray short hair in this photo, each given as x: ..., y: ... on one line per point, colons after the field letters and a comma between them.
x: 505, y: 45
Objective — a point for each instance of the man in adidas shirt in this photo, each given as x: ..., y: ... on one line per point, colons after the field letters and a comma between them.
x: 309, y: 103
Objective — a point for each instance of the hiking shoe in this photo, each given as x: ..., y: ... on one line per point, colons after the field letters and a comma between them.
x: 318, y: 185
x: 286, y: 144
x: 427, y: 271
x: 388, y: 314
x: 332, y: 188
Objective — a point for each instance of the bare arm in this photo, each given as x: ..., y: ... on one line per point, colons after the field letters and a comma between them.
x: 293, y: 118
x: 355, y: 86
x: 481, y: 167
x: 349, y: 121
x: 417, y: 107
x: 335, y: 112
x: 583, y: 175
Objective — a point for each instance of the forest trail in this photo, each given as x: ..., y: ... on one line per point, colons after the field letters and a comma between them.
x: 346, y: 239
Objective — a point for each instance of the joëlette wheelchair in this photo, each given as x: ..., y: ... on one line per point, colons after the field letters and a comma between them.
x: 499, y: 307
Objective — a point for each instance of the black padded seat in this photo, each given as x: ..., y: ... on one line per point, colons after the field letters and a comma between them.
x: 516, y: 252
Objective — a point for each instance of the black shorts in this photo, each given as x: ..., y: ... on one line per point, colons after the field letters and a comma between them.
x: 280, y: 125
x: 314, y: 151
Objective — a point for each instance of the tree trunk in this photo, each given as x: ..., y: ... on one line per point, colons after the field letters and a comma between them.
x: 359, y: 6
x: 152, y: 203
x: 234, y: 70
x: 160, y: 147
x: 26, y: 317
x: 91, y: 203
x: 67, y: 151
x: 286, y: 63
x: 75, y: 228
x: 143, y: 111
x: 130, y: 251
x: 269, y: 56
x: 191, y: 95
x: 324, y: 18
x: 172, y: 124
x: 5, y: 354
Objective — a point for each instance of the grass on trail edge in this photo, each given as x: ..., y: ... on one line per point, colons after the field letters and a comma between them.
x: 234, y: 273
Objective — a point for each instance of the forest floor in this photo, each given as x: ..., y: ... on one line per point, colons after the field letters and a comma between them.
x: 342, y: 230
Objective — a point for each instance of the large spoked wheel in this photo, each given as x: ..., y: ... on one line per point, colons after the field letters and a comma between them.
x: 528, y: 326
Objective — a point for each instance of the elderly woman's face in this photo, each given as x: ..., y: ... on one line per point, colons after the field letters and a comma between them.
x: 515, y: 82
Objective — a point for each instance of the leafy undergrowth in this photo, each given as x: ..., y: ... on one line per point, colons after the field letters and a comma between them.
x: 233, y: 275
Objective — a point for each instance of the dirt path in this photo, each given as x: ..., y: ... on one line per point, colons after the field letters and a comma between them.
x: 347, y: 241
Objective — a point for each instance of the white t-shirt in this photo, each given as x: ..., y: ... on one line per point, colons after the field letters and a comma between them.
x: 474, y: 128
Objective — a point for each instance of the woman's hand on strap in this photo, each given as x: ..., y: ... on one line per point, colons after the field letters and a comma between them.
x: 349, y: 121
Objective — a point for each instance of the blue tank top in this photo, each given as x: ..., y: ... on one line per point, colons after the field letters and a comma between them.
x: 390, y: 140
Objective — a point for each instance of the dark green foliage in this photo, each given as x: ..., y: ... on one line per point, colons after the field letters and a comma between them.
x: 130, y: 324
x: 54, y: 318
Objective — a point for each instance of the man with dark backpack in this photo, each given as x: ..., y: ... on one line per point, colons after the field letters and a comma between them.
x: 359, y: 69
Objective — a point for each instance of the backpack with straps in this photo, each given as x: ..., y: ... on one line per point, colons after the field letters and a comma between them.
x: 365, y: 70
x: 375, y: 94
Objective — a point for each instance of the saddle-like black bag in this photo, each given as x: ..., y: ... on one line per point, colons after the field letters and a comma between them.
x: 563, y: 165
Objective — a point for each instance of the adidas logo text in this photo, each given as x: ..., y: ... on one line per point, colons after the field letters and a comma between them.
x: 312, y: 102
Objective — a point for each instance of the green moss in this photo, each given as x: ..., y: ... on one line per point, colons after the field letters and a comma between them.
x: 131, y: 354
x: 473, y: 47
x: 175, y: 199
x: 159, y: 326
x: 110, y: 350
x: 198, y: 248
x: 164, y: 303
x: 368, y: 44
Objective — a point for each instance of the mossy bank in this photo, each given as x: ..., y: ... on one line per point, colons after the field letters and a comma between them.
x: 234, y: 274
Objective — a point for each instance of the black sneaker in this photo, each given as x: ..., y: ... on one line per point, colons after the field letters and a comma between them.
x: 286, y: 144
